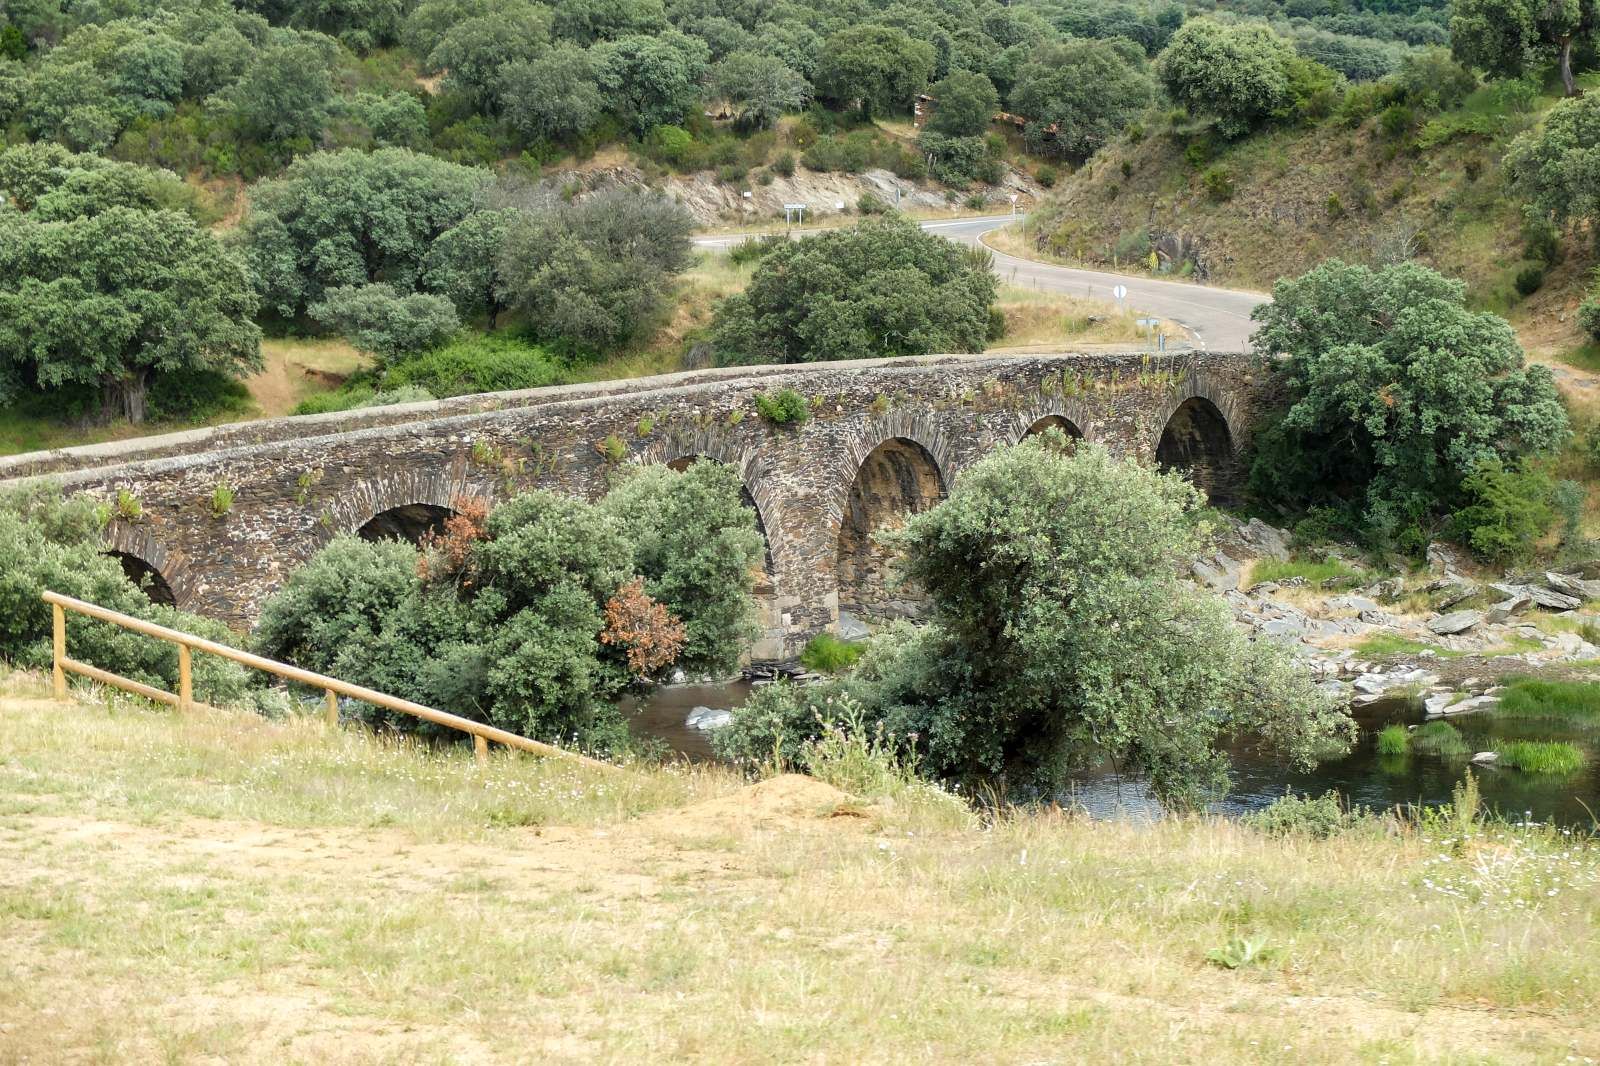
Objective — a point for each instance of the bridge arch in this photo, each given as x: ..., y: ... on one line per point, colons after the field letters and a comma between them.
x: 148, y: 563
x: 679, y: 452
x: 899, y: 477
x: 404, y: 504
x: 1197, y: 441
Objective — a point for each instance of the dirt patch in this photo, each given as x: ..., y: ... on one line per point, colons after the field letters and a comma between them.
x: 785, y: 800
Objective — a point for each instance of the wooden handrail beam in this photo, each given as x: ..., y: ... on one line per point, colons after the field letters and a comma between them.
x: 188, y: 642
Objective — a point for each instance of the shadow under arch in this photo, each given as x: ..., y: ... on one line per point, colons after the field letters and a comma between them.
x: 1061, y: 422
x: 146, y: 577
x: 410, y: 522
x: 147, y: 562
x: 896, y: 479
x: 1197, y: 441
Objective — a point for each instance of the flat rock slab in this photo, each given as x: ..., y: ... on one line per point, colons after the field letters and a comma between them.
x: 1454, y: 622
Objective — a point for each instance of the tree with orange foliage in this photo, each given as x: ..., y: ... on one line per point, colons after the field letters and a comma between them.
x: 644, y: 628
x: 448, y: 555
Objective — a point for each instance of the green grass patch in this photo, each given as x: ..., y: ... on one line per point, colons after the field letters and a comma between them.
x: 1382, y: 645
x: 1441, y: 739
x: 827, y: 654
x: 1541, y: 756
x: 1313, y: 571
x: 1394, y: 740
x: 1528, y: 697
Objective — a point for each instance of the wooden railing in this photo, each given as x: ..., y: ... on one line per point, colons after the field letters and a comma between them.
x: 332, y: 687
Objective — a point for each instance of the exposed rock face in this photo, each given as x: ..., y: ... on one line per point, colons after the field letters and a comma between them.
x: 1456, y: 622
x: 718, y: 203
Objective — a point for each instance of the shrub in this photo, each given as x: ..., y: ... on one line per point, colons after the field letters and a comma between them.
x: 1218, y: 182
x: 48, y: 541
x: 475, y: 363
x: 1046, y: 176
x: 1528, y: 280
x: 1394, y: 740
x: 753, y: 248
x: 1322, y: 816
x: 1555, y: 757
x: 1335, y: 206
x: 377, y: 319
x: 827, y: 654
x: 1589, y: 317
x: 1507, y: 511
x: 784, y: 164
x: 1396, y: 121
x: 872, y: 204
x: 773, y: 726
x: 786, y: 407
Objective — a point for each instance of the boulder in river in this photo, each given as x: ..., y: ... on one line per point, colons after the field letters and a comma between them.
x: 706, y: 718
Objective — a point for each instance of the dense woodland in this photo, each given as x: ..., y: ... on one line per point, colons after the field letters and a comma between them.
x: 389, y: 173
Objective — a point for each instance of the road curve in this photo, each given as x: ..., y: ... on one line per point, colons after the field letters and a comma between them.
x: 1216, y: 318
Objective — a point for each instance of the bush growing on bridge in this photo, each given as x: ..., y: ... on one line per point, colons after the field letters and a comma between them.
x: 1074, y: 644
x: 48, y: 542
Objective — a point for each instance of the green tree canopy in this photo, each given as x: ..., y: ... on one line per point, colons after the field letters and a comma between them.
x: 1088, y: 91
x: 593, y: 272
x: 1504, y: 37
x: 651, y: 81
x: 877, y: 68
x: 967, y: 104
x: 1061, y: 637
x: 883, y: 287
x: 110, y: 299
x: 352, y: 218
x: 695, y: 543
x: 1396, y: 393
x: 1556, y: 167
x: 1237, y: 72
x: 553, y: 97
x: 762, y: 87
x: 465, y: 263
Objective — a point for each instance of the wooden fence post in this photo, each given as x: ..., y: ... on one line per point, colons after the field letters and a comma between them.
x: 480, y: 748
x: 332, y: 712
x: 59, y: 624
x: 185, y: 680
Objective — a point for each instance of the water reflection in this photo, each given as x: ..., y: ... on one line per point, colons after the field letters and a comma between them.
x: 1362, y: 777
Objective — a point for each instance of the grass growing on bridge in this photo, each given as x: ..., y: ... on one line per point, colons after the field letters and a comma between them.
x: 224, y: 888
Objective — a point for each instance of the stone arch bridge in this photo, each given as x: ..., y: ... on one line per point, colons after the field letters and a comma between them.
x: 885, y: 438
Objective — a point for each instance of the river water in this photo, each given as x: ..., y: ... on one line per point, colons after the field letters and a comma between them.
x: 1363, y: 776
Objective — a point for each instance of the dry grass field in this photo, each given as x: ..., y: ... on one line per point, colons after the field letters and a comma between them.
x: 222, y: 888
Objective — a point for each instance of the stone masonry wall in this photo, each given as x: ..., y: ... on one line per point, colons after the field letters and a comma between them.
x: 299, y: 481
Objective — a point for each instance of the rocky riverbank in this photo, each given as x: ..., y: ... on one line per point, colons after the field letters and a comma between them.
x: 1446, y: 635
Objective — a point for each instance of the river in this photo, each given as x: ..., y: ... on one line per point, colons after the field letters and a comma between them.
x: 1363, y: 776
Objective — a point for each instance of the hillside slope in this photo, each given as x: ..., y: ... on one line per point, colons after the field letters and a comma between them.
x: 1278, y: 202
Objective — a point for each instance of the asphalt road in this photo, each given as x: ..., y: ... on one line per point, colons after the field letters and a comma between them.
x: 1217, y: 319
